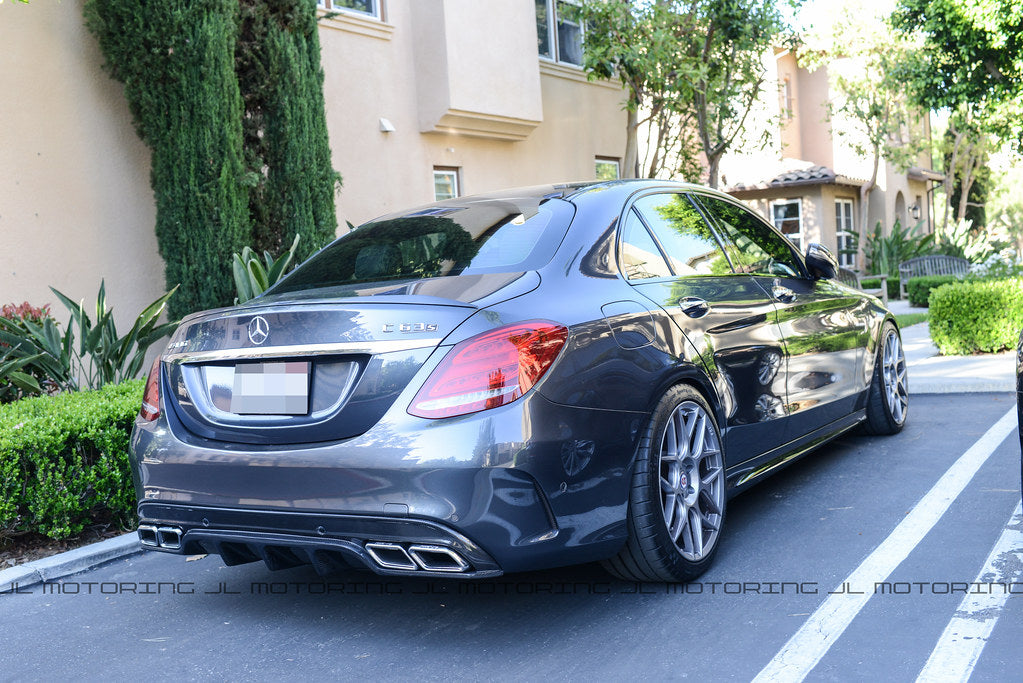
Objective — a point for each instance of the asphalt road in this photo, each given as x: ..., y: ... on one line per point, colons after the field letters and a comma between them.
x: 764, y: 608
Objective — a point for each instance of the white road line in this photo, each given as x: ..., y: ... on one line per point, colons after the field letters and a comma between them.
x: 959, y: 647
x: 816, y: 636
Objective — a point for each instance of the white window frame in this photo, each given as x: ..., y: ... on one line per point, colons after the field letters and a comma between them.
x: 376, y: 13
x: 800, y: 246
x: 607, y: 161
x: 552, y: 33
x: 844, y: 231
x: 452, y: 172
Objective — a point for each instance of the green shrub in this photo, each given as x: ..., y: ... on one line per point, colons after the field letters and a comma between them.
x: 87, y: 354
x: 64, y: 461
x: 874, y: 283
x: 980, y: 316
x: 919, y: 288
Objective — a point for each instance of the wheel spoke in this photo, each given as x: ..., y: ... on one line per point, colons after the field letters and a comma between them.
x: 696, y: 450
x: 712, y: 475
x: 696, y: 529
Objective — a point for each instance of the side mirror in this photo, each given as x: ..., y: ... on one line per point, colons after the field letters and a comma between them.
x: 820, y: 261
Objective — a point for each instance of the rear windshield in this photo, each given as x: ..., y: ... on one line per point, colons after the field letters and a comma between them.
x: 482, y: 235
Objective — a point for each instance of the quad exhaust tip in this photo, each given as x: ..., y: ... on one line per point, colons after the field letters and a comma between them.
x: 435, y: 558
x: 431, y: 558
x: 168, y: 537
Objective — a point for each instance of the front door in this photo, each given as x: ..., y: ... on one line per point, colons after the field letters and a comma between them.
x: 670, y: 254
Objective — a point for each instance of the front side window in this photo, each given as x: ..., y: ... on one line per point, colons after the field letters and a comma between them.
x: 844, y: 233
x: 752, y: 246
x: 445, y: 183
x: 691, y: 248
x: 559, y: 31
x: 787, y: 215
x: 366, y: 7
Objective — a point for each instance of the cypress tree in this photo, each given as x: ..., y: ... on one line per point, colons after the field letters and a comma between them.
x: 176, y: 60
x: 287, y: 151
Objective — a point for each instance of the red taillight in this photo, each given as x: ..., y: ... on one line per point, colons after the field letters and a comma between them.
x: 151, y: 396
x: 490, y: 369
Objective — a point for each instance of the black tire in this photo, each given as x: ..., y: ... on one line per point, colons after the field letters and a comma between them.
x: 888, y: 397
x: 661, y: 547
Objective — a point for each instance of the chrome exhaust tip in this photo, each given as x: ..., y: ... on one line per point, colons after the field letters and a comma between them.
x: 390, y: 556
x: 169, y: 537
x: 435, y: 558
x: 148, y: 535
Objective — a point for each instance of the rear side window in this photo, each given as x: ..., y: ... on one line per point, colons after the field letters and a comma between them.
x: 452, y: 238
x: 688, y: 242
x: 640, y: 257
x: 754, y: 247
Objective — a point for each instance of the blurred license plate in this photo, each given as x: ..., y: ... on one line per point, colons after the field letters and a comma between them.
x: 271, y: 389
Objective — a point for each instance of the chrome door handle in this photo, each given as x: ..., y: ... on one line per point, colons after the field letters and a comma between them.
x: 783, y: 294
x: 694, y: 306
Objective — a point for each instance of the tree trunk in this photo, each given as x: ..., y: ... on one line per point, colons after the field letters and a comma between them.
x: 713, y: 167
x: 865, y: 191
x: 630, y: 164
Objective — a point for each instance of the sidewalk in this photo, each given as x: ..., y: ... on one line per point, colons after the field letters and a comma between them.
x: 930, y: 373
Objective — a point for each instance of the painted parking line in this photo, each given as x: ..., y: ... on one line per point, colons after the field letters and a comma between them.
x: 820, y: 631
x: 960, y: 645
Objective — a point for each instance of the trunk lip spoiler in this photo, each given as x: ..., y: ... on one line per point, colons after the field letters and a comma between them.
x: 298, y: 350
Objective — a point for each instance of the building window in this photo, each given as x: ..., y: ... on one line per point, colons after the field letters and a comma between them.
x: 606, y: 168
x: 788, y: 217
x: 445, y: 182
x: 844, y: 233
x: 559, y: 31
x: 369, y: 8
x: 785, y: 97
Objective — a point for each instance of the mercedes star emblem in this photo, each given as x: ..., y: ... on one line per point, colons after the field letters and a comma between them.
x: 259, y: 330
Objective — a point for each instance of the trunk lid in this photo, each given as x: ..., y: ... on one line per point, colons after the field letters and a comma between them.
x: 345, y: 359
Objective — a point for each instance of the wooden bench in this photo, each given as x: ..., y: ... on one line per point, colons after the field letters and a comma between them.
x: 854, y: 279
x: 934, y: 264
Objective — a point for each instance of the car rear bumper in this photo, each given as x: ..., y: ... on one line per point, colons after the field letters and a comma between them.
x: 529, y: 485
x: 385, y: 545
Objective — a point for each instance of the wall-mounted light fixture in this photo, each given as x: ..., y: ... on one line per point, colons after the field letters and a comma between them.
x: 914, y: 211
x: 386, y: 126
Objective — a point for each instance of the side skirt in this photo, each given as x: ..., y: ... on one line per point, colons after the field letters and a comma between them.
x: 742, y: 476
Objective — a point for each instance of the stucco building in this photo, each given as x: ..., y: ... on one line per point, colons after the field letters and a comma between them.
x: 424, y: 98
x: 808, y: 179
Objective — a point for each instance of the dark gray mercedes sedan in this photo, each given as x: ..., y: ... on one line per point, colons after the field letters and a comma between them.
x: 525, y: 379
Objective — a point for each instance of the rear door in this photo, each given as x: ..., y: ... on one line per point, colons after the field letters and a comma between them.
x: 670, y: 254
x: 825, y: 325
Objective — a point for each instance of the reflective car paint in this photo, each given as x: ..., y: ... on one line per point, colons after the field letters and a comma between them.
x: 541, y: 482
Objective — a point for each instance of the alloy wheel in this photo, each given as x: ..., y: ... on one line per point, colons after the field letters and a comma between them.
x: 691, y: 471
x: 896, y: 385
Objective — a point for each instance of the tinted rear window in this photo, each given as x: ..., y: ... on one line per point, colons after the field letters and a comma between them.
x: 451, y: 238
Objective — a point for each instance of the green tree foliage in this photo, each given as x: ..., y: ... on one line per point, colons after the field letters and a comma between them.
x: 969, y: 63
x: 229, y: 97
x: 287, y: 153
x: 176, y: 60
x: 972, y: 50
x: 692, y: 72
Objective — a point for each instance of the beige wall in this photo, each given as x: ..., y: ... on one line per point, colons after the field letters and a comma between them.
x: 529, y: 122
x: 75, y: 202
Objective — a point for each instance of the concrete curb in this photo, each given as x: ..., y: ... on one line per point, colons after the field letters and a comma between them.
x: 67, y: 563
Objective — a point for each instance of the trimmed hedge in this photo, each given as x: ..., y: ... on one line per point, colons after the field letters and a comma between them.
x: 874, y: 283
x: 64, y: 461
x: 919, y: 288
x: 976, y: 316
